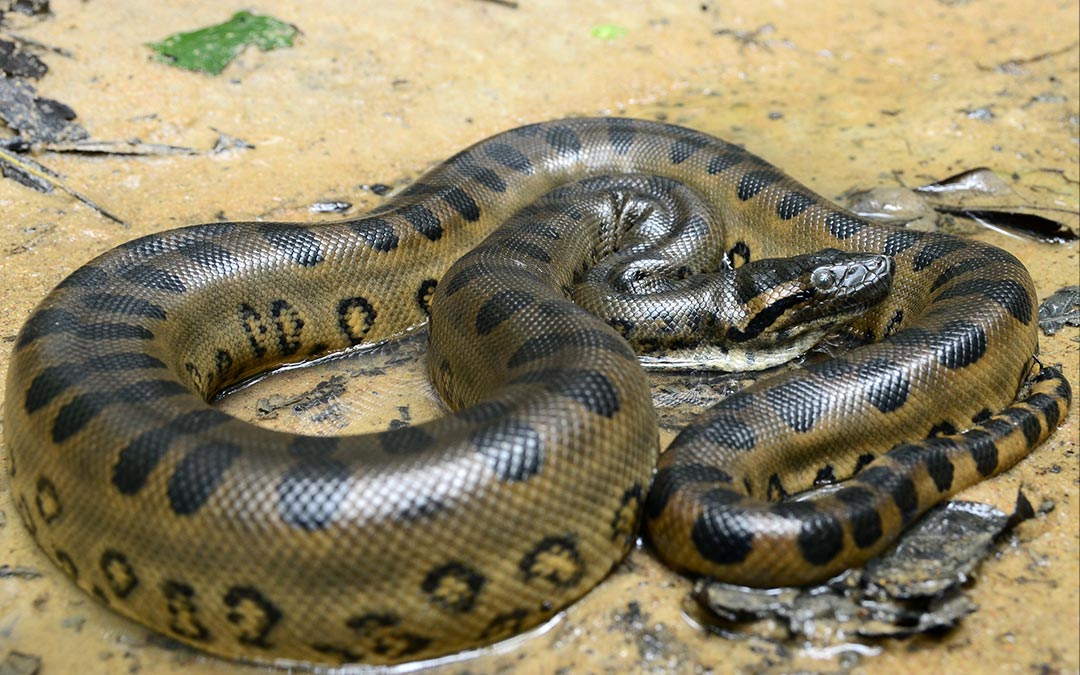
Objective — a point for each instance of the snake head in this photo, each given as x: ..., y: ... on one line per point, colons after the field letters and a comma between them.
x: 839, y: 279
x: 808, y: 295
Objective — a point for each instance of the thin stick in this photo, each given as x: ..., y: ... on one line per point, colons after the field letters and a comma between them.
x: 29, y: 168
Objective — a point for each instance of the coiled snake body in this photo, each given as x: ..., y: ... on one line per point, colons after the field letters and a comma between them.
x: 420, y: 541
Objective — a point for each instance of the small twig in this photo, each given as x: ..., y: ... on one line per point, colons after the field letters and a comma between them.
x: 749, y: 38
x: 20, y: 165
x: 505, y: 3
x: 1060, y: 172
x: 30, y: 42
x: 133, y: 147
x: 1012, y: 64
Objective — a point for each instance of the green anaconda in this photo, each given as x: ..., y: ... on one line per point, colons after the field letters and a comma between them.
x: 424, y: 540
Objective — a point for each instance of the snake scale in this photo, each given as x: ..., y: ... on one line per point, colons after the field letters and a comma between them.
x: 421, y: 541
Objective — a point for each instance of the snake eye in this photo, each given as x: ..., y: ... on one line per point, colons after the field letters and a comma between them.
x: 822, y: 279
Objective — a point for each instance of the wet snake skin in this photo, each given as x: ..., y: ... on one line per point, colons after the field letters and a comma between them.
x: 422, y: 541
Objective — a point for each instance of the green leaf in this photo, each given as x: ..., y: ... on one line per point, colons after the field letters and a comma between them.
x: 608, y: 31
x: 210, y: 49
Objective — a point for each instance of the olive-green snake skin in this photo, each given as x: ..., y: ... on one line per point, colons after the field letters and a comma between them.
x: 421, y: 541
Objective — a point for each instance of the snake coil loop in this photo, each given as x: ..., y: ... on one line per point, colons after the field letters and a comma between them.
x: 421, y: 541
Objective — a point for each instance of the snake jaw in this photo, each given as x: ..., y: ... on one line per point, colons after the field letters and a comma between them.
x: 816, y: 294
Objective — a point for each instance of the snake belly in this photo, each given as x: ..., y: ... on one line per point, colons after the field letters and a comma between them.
x: 421, y: 541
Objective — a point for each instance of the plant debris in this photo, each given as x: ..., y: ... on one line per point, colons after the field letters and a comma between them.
x: 679, y: 397
x: 18, y: 663
x: 980, y: 179
x: 226, y: 142
x: 29, y: 7
x: 1016, y: 66
x: 333, y: 206
x: 379, y: 189
x: 210, y: 49
x: 941, y: 552
x: 325, y: 391
x: 750, y: 38
x: 608, y: 31
x: 18, y: 572
x: 37, y: 119
x: 977, y: 194
x: 1029, y: 224
x: 1060, y: 309
x: 131, y: 146
x: 915, y: 588
x: 37, y: 176
x: 17, y: 62
x: 894, y: 206
x: 42, y: 123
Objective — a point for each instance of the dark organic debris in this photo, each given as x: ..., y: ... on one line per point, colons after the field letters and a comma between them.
x: 133, y: 147
x: 37, y: 121
x: 379, y: 189
x: 940, y: 553
x: 960, y: 194
x: 915, y: 588
x: 982, y: 113
x: 20, y: 63
x: 325, y: 391
x: 42, y: 123
x: 226, y: 142
x: 1046, y: 97
x: 18, y: 663
x: 739, y: 604
x: 28, y: 172
x: 37, y: 176
x: 35, y: 118
x: 679, y: 397
x: 1060, y: 309
x: 1034, y: 226
x: 332, y: 206
x: 1016, y: 66
x: 977, y: 194
x: 750, y: 38
x: 29, y: 7
x: 657, y: 649
x: 892, y: 205
x: 18, y: 572
x: 979, y: 179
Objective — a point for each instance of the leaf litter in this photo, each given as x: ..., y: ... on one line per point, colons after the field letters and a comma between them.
x: 42, y: 124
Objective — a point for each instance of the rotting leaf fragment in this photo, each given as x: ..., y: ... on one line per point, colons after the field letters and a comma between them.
x: 978, y: 194
x: 36, y: 118
x: 18, y: 62
x: 979, y: 179
x: 966, y: 193
x: 210, y: 49
x: 917, y: 587
x: 1032, y: 225
x: 18, y: 663
x: 1060, y: 309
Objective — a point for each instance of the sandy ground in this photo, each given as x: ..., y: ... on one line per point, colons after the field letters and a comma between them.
x: 880, y: 93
